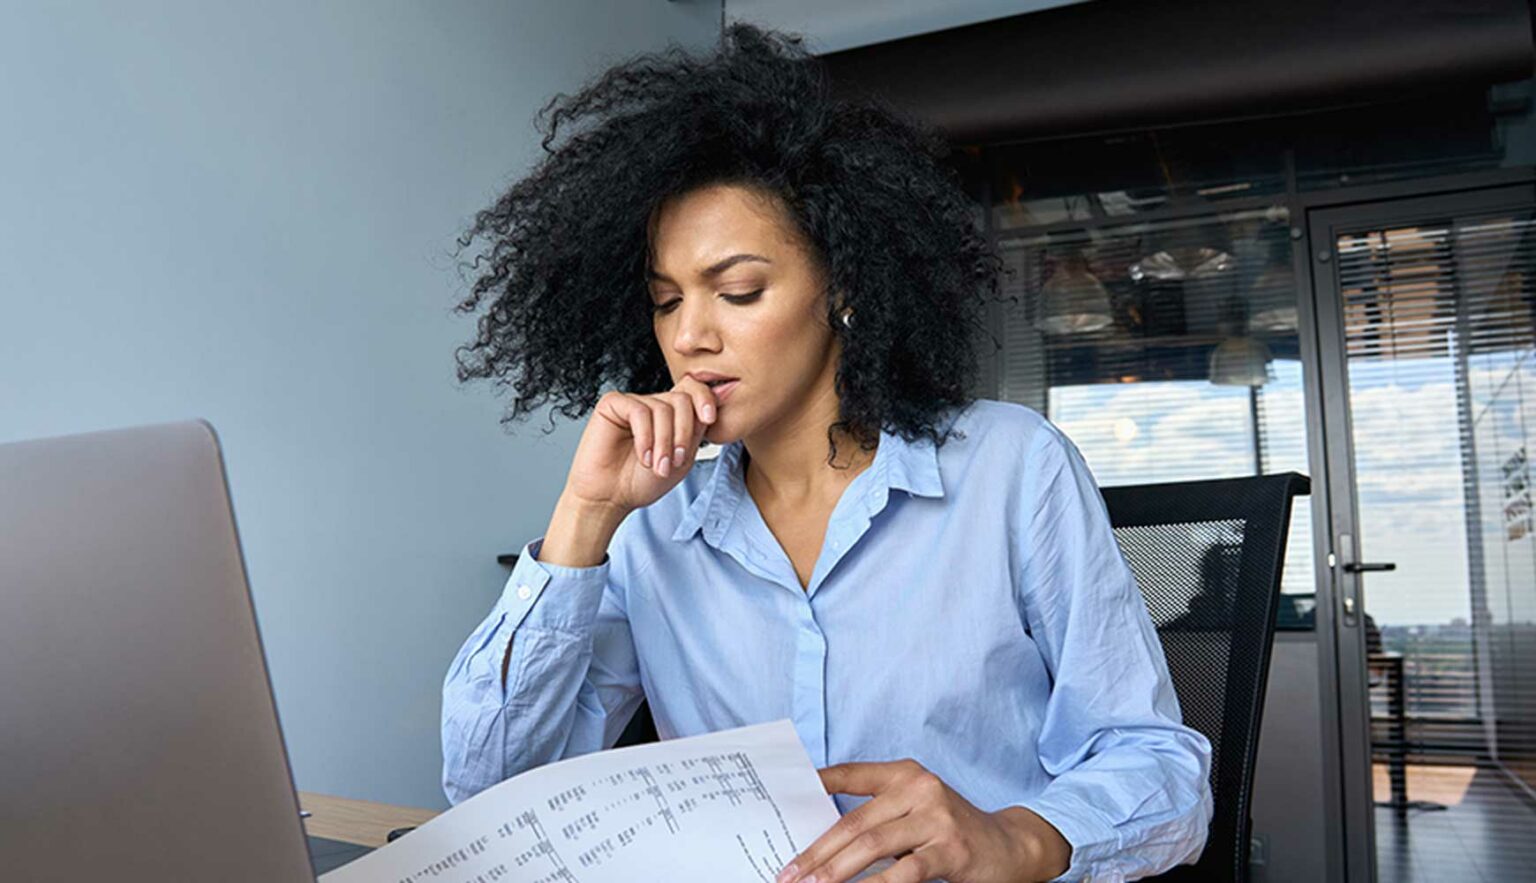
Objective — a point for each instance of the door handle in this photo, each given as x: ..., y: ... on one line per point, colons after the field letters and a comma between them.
x: 1349, y: 589
x: 1360, y: 567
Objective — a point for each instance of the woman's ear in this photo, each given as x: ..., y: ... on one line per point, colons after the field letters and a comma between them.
x: 839, y: 301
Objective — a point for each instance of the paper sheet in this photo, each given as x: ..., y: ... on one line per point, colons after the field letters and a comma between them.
x: 735, y: 805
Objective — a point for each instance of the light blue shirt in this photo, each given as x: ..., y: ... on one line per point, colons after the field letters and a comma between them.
x: 970, y: 609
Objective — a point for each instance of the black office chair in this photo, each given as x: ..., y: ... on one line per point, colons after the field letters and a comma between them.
x: 1207, y: 556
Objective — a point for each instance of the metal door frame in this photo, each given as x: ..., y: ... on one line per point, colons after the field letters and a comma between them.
x: 1341, y: 637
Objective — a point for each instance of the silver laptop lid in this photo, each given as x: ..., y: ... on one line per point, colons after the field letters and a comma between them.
x: 138, y: 736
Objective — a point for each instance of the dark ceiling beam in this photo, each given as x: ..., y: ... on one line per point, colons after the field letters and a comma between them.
x: 1117, y: 64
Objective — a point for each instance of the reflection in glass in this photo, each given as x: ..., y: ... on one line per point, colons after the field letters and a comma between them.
x: 1186, y: 262
x: 1240, y: 361
x: 1074, y: 300
x: 1179, y: 382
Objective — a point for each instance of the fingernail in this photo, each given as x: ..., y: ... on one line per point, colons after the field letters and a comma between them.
x: 665, y: 466
x: 646, y: 459
x: 679, y: 454
x: 787, y: 875
x: 709, y: 413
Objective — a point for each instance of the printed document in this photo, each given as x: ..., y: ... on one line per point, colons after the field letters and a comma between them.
x: 735, y: 805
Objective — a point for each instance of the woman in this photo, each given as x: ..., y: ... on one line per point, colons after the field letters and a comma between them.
x: 926, y: 585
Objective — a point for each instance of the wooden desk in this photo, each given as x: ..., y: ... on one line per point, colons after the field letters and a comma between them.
x: 357, y: 821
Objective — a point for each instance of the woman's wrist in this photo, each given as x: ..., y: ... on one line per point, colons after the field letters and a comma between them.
x: 1045, y: 849
x: 579, y: 533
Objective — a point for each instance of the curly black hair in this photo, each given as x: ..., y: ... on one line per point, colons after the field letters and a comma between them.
x: 563, y: 285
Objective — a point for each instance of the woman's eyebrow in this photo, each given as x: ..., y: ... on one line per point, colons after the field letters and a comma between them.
x: 714, y: 269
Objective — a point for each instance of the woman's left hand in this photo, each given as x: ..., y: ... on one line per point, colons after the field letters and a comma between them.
x: 934, y: 831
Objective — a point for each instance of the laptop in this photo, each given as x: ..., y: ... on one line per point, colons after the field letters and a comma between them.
x: 139, y: 740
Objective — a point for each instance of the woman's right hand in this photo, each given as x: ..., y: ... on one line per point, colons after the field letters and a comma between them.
x: 626, y: 432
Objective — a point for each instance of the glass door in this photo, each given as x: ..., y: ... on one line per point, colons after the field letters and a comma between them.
x: 1425, y: 310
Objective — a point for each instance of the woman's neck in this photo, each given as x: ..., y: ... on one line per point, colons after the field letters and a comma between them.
x: 790, y: 466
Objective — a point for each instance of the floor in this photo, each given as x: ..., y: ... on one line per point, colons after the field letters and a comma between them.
x: 1487, y: 831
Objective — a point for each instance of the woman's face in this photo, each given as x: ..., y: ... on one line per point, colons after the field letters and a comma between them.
x: 737, y: 292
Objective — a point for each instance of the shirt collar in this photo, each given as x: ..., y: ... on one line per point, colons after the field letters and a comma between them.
x: 899, y: 465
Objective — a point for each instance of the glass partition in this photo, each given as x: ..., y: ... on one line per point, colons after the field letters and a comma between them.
x: 1167, y: 351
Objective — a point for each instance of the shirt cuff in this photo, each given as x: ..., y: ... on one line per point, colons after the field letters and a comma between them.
x: 575, y: 593
x: 1092, y: 841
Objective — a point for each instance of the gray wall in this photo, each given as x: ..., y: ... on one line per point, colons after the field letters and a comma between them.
x: 241, y: 212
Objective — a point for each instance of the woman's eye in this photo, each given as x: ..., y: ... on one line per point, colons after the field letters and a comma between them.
x: 733, y: 298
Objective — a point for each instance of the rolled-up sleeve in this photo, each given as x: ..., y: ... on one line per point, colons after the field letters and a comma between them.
x: 572, y: 683
x: 1131, y: 784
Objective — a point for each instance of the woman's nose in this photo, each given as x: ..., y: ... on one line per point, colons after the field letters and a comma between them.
x: 695, y: 329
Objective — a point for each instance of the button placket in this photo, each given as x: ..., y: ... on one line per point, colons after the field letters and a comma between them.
x: 810, y: 698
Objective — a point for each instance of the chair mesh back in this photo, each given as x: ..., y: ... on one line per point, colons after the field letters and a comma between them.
x: 1207, y: 557
x: 1191, y: 603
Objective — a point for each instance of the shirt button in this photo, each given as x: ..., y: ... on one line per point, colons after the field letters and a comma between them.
x: 524, y: 593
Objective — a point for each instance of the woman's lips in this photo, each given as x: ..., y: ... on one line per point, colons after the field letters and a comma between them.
x: 724, y: 390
